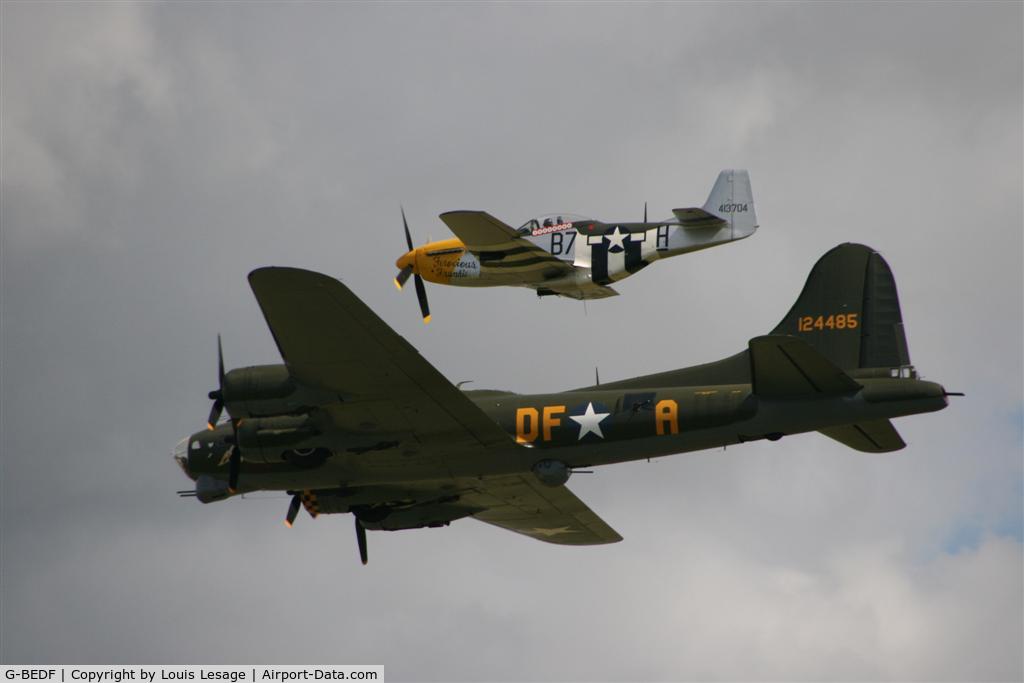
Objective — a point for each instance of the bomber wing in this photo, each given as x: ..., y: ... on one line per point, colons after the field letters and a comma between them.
x: 517, y: 502
x: 331, y: 340
x: 522, y: 504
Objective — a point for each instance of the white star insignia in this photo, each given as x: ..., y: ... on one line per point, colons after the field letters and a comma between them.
x: 615, y: 238
x: 552, y: 532
x: 589, y: 422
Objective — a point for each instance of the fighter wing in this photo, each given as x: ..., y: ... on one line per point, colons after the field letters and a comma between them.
x: 331, y: 340
x: 583, y: 290
x: 479, y: 230
x: 552, y: 514
x: 499, y: 246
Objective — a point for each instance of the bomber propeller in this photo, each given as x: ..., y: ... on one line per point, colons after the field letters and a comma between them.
x: 406, y: 268
x: 361, y: 541
x: 293, y: 510
x: 217, y: 395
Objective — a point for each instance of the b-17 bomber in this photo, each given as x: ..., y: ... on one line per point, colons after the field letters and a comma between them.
x: 568, y: 255
x: 356, y: 421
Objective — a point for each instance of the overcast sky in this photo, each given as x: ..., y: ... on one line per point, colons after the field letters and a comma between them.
x: 153, y: 154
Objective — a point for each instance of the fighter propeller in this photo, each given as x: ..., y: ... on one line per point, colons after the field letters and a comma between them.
x: 406, y: 268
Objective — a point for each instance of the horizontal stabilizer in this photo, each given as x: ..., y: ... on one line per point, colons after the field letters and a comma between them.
x: 873, y: 436
x: 698, y: 219
x: 787, y: 367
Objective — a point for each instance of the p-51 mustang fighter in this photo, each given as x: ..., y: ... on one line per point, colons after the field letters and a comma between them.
x: 357, y: 421
x: 573, y: 256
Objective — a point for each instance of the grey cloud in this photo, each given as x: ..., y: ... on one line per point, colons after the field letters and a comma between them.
x: 153, y: 154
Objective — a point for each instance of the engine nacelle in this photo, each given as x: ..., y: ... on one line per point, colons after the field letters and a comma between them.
x: 270, y: 438
x: 267, y: 390
x: 259, y: 390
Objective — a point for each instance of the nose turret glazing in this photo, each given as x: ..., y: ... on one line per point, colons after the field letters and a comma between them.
x: 181, y: 456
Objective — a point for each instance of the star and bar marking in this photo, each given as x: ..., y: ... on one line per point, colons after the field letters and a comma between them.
x: 539, y: 424
x: 589, y: 422
x: 615, y: 238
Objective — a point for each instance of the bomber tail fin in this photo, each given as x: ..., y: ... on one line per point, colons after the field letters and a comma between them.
x: 848, y: 314
x: 849, y: 311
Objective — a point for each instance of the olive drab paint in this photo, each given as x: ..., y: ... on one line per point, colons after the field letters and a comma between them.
x: 357, y: 422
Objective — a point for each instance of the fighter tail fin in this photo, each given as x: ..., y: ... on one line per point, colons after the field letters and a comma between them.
x: 732, y: 200
x: 849, y: 311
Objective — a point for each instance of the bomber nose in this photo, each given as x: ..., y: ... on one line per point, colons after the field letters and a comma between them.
x: 181, y: 456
